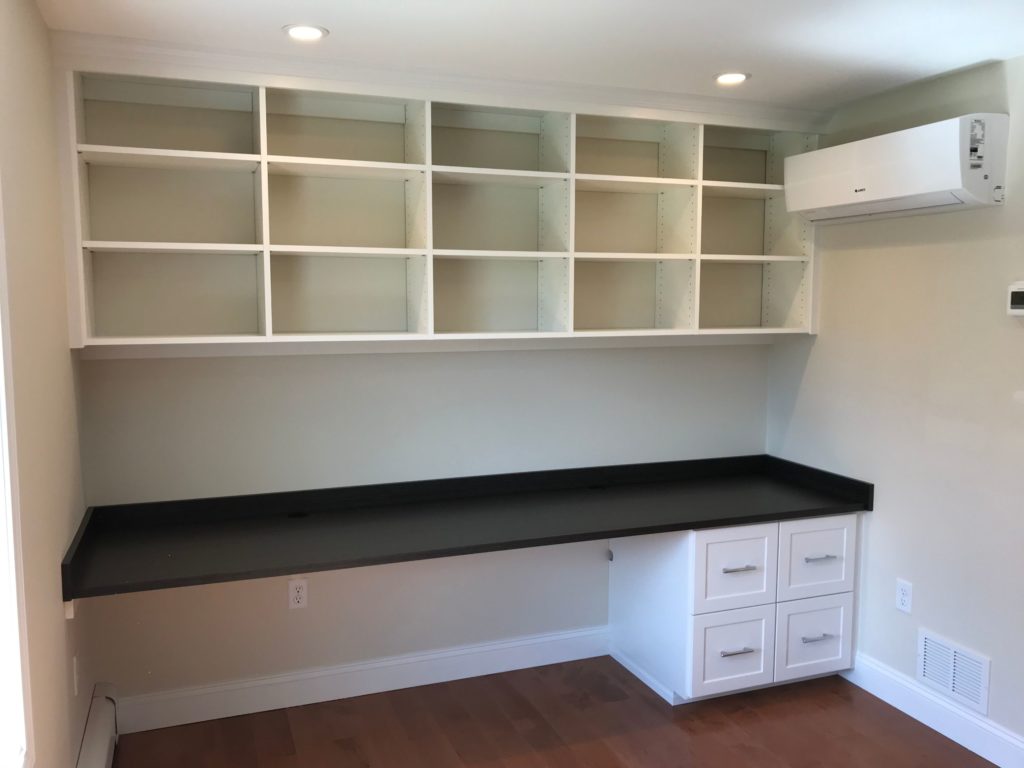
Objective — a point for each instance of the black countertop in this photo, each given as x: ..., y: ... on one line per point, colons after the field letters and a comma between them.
x: 135, y: 547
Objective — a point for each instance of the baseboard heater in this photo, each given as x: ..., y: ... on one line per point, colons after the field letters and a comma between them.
x: 100, y: 736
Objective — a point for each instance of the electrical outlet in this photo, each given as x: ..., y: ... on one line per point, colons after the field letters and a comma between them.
x: 298, y: 593
x: 904, y: 595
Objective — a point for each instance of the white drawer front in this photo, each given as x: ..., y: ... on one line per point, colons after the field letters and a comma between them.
x: 813, y: 636
x: 816, y: 556
x: 732, y: 650
x: 735, y: 567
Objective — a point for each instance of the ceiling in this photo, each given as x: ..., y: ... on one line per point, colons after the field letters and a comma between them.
x: 810, y: 54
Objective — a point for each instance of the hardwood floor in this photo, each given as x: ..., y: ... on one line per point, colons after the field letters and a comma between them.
x: 583, y: 714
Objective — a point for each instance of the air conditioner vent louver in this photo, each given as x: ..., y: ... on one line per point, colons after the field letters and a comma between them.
x: 954, y: 670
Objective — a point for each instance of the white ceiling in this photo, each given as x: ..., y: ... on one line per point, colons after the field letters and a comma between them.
x: 811, y: 54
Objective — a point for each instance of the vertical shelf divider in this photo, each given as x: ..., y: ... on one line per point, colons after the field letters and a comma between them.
x: 266, y: 324
x: 695, y: 317
x: 571, y: 279
x: 427, y: 321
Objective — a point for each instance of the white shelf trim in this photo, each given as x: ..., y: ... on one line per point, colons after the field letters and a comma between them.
x: 122, y: 246
x: 280, y: 165
x: 593, y: 182
x: 144, y: 157
x: 343, y: 250
x: 449, y: 174
x: 458, y: 253
x: 741, y: 189
x: 738, y: 258
x: 602, y: 256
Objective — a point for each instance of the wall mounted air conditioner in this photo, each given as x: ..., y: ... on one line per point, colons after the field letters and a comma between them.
x: 946, y: 166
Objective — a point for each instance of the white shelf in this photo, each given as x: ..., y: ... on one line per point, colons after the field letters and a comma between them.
x: 592, y: 182
x: 337, y: 250
x: 444, y: 174
x: 455, y: 253
x: 741, y: 189
x: 343, y: 169
x: 114, y: 246
x: 600, y: 256
x: 740, y: 258
x: 142, y: 157
x: 336, y: 219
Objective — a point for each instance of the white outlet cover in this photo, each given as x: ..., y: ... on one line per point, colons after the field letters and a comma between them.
x: 904, y: 595
x: 298, y: 593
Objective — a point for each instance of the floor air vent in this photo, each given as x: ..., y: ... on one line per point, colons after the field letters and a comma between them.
x: 954, y: 670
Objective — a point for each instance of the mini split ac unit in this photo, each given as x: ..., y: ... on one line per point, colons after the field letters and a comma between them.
x: 951, y: 165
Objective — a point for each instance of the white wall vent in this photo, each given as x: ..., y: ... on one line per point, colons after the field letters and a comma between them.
x: 959, y: 673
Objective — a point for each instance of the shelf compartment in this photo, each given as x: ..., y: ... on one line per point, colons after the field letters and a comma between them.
x: 754, y: 294
x: 361, y: 207
x: 344, y: 127
x: 173, y: 293
x: 637, y: 221
x: 499, y: 213
x: 495, y: 295
x: 634, y: 294
x: 753, y: 226
x: 176, y: 205
x: 330, y: 293
x: 167, y: 114
x: 494, y: 137
x: 633, y: 147
x: 749, y: 156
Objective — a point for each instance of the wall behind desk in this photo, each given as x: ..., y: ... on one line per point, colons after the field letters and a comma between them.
x: 160, y: 429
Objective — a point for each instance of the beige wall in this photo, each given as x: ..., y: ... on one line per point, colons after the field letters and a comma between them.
x: 916, y: 383
x: 44, y: 395
x: 181, y: 428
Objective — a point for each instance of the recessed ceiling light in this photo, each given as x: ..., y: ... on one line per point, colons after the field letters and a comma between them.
x: 731, y: 78
x: 305, y: 33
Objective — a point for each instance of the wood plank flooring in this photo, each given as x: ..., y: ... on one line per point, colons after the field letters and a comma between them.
x: 582, y: 714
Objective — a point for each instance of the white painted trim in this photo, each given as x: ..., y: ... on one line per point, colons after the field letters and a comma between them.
x: 11, y: 500
x: 969, y: 729
x: 637, y: 671
x: 239, y: 697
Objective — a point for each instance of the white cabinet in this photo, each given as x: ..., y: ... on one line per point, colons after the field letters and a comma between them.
x: 812, y: 636
x: 735, y: 567
x: 816, y: 556
x: 703, y: 613
x: 732, y: 650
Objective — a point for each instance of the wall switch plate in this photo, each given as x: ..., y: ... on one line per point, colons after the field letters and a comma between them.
x: 904, y: 595
x: 298, y: 593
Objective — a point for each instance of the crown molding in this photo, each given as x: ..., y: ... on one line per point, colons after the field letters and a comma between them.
x: 85, y: 52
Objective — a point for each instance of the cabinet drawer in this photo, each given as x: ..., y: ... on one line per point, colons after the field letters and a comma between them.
x: 732, y: 650
x: 816, y: 556
x: 813, y: 636
x: 735, y: 567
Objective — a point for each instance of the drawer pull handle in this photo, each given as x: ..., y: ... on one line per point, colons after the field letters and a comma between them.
x: 820, y: 558
x: 740, y: 569
x: 818, y: 639
x: 740, y: 652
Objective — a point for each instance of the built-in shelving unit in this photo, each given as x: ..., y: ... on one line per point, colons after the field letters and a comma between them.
x: 214, y: 213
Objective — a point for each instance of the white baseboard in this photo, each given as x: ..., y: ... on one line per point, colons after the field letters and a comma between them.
x: 969, y: 729
x: 209, y: 702
x: 641, y: 674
